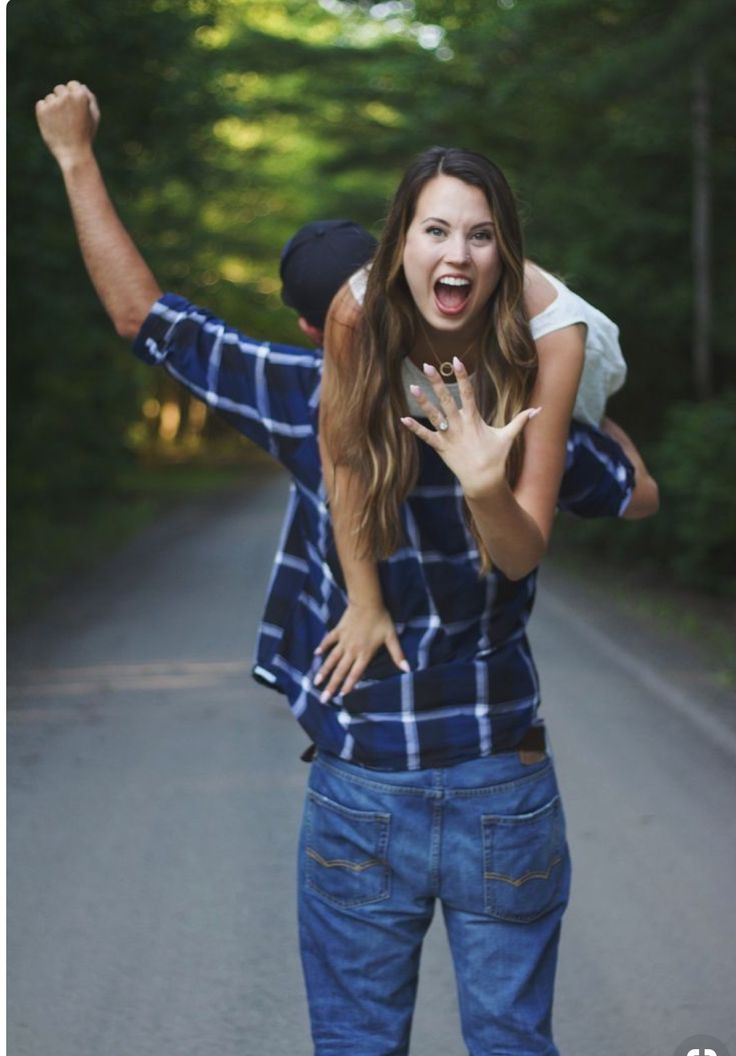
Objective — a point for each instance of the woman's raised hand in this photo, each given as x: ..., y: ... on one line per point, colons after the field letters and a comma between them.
x: 352, y: 643
x: 475, y: 451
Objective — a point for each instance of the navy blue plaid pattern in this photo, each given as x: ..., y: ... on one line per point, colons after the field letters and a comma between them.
x: 473, y: 687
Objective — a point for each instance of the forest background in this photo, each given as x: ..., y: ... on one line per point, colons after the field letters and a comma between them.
x: 229, y: 123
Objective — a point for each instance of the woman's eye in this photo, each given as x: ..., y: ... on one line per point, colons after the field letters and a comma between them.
x: 483, y: 236
x: 435, y: 231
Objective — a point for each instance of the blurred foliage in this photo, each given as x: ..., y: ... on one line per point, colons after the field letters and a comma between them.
x: 696, y: 465
x: 691, y: 541
x: 228, y: 123
x: 47, y: 552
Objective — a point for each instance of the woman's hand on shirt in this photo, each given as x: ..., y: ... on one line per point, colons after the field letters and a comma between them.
x: 352, y: 644
x: 475, y: 451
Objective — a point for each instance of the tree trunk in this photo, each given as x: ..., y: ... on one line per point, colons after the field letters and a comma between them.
x: 701, y: 234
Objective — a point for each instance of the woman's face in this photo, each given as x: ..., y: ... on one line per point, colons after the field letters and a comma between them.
x: 451, y: 259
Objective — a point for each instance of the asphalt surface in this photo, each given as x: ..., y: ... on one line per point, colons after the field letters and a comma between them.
x: 154, y: 798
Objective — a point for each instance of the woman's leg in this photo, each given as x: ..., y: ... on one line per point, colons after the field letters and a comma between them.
x: 505, y: 885
x: 365, y: 903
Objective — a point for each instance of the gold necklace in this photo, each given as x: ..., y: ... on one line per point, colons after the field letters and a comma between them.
x: 446, y: 368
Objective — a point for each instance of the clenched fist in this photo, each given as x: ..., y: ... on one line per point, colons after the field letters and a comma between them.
x: 68, y: 118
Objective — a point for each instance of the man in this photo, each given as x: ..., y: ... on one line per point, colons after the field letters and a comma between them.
x: 271, y: 394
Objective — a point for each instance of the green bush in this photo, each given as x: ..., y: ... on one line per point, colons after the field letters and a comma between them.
x: 695, y: 465
x: 692, y: 540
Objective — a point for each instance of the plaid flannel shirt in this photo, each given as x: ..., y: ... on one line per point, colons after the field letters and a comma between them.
x: 473, y: 686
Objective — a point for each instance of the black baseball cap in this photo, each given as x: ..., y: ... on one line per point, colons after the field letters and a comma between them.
x: 317, y: 261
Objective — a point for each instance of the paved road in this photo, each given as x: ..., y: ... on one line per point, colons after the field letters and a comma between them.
x: 155, y: 793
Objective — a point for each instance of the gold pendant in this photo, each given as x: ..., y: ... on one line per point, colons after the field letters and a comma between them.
x: 446, y: 369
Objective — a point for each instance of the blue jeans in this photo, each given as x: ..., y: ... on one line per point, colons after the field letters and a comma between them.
x: 487, y: 838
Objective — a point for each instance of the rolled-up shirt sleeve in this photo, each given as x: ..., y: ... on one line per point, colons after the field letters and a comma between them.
x: 268, y: 392
x: 598, y: 480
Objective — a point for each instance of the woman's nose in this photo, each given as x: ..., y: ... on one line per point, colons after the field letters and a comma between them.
x: 457, y: 250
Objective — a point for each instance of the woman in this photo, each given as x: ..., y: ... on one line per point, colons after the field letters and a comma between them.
x: 550, y: 306
x: 443, y: 788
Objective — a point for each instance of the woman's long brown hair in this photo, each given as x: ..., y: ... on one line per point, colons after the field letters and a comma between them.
x: 361, y: 406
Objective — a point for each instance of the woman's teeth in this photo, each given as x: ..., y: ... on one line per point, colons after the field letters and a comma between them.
x: 452, y: 292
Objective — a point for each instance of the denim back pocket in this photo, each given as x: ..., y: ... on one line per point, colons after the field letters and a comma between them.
x: 346, y: 852
x: 523, y: 862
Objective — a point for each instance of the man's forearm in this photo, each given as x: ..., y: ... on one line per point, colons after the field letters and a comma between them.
x: 123, y: 281
x: 67, y: 120
x: 645, y: 497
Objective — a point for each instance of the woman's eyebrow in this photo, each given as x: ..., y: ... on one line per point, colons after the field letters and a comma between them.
x: 439, y: 220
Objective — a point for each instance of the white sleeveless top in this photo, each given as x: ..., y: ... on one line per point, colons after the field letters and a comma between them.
x: 604, y: 369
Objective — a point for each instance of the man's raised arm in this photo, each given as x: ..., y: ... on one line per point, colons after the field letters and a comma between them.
x: 268, y: 392
x: 68, y: 118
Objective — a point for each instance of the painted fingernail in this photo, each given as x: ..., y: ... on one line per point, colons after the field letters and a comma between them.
x: 415, y: 390
x: 317, y: 679
x: 457, y: 364
x: 324, y: 698
x: 404, y: 665
x: 405, y: 421
x: 535, y: 412
x: 428, y: 369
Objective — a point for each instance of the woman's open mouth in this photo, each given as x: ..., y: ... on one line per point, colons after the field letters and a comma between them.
x: 451, y: 294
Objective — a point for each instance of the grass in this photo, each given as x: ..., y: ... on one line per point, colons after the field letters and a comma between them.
x: 47, y: 546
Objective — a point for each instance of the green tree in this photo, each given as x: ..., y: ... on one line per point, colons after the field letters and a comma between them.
x: 228, y: 123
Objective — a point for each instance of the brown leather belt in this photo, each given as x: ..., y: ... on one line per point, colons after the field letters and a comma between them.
x: 534, y: 740
x: 531, y: 747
